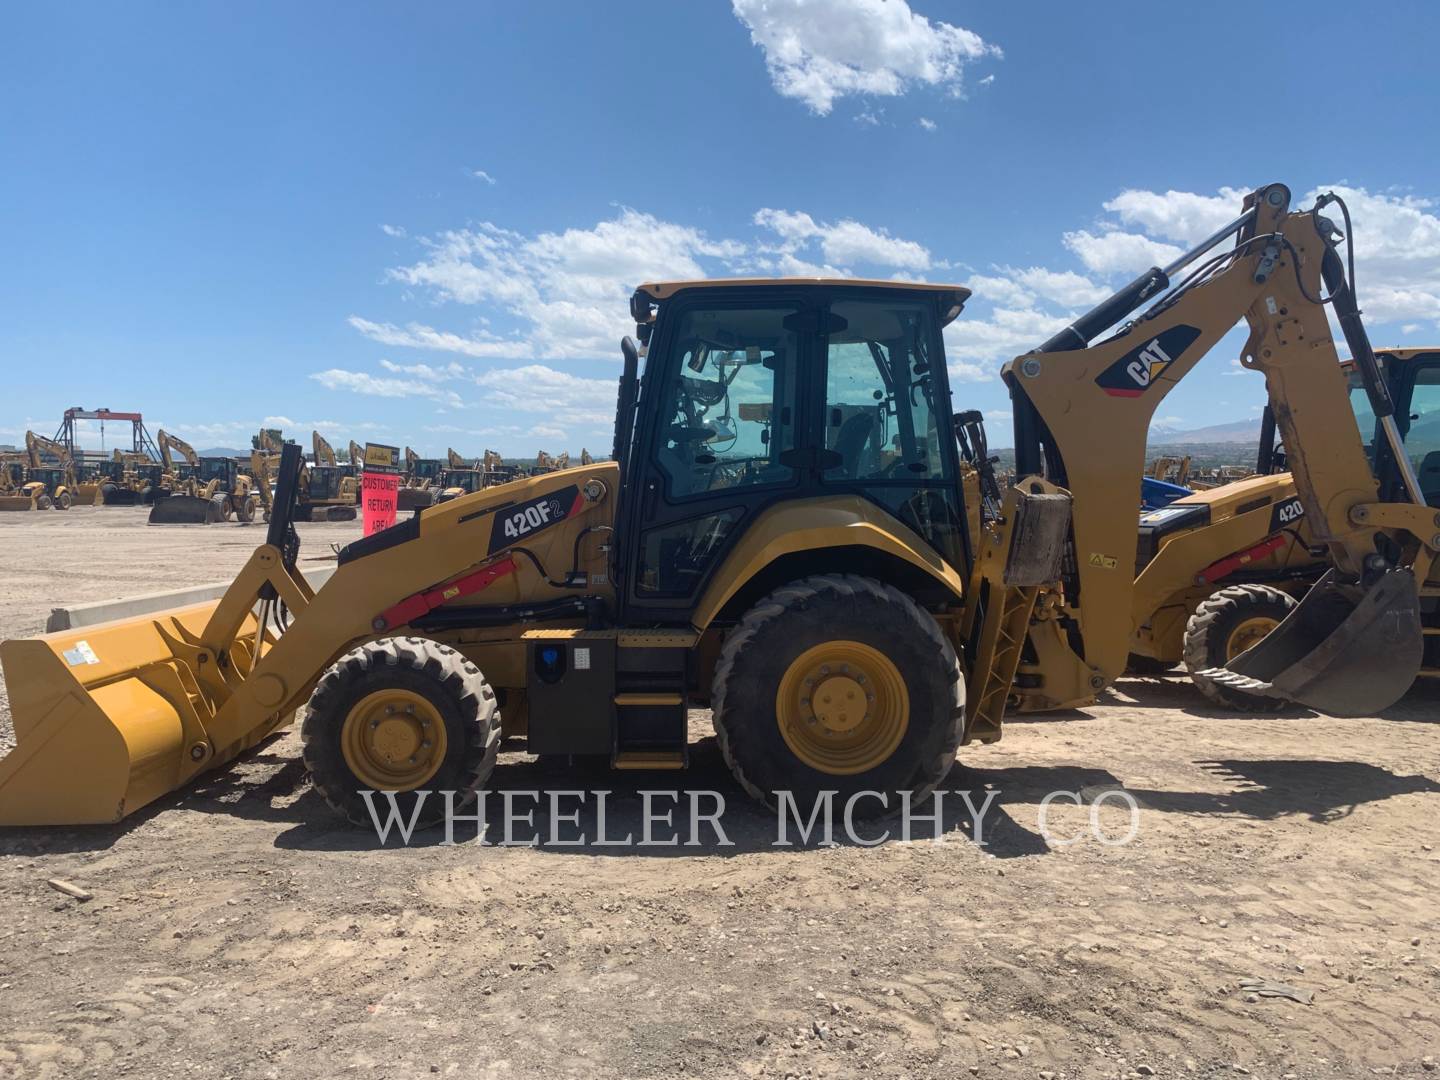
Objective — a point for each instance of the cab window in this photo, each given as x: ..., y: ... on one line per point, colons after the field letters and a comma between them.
x: 880, y: 413
x: 729, y: 410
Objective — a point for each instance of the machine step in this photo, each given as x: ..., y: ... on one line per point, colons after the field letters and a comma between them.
x: 649, y: 759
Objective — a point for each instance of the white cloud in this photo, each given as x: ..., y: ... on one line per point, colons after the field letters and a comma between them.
x: 1410, y: 328
x: 1007, y: 333
x: 988, y: 80
x: 396, y: 231
x: 819, y: 50
x: 1182, y: 216
x: 928, y: 124
x: 481, y: 174
x: 419, y: 336
x: 558, y: 395
x: 1119, y: 252
x: 846, y: 243
x: 1062, y: 286
x: 570, y: 289
x: 360, y: 382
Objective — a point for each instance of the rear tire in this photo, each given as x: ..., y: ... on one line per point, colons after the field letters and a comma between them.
x: 107, y: 494
x: 443, y: 689
x: 246, y: 509
x: 885, y: 647
x: 1223, y: 626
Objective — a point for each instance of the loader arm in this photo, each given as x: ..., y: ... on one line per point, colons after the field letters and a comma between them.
x: 154, y: 700
x: 1083, y: 411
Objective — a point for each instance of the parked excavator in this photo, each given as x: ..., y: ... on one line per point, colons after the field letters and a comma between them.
x: 809, y: 557
x: 131, y: 478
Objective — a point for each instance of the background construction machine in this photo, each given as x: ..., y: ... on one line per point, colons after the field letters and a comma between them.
x: 213, y: 489
x: 330, y: 491
x: 130, y: 478
x: 807, y: 556
x: 56, y: 480
x: 15, y: 494
x: 417, y: 488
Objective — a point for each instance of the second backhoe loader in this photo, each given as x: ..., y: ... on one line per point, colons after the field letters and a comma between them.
x: 787, y: 535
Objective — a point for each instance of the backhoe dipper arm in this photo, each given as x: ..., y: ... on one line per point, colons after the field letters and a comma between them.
x: 1083, y: 411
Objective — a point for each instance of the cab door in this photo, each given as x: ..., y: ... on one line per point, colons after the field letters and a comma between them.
x: 721, y: 418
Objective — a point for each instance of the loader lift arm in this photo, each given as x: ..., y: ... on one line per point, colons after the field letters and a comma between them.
x: 1082, y: 412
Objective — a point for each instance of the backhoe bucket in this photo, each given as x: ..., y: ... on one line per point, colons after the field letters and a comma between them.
x: 107, y: 718
x: 183, y: 510
x: 1341, y: 651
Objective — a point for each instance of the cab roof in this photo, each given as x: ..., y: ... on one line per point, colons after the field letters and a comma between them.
x: 952, y: 297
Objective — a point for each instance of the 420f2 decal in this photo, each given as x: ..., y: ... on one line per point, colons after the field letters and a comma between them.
x: 1137, y: 370
x: 514, y: 523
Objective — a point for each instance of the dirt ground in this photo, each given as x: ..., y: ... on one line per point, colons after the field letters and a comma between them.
x: 237, y: 930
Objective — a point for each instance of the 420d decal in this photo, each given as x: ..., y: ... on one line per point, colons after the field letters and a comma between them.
x: 1137, y: 370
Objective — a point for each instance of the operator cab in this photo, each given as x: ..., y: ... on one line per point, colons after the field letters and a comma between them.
x: 758, y: 393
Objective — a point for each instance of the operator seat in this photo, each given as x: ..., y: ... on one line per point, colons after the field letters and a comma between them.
x: 850, y: 443
x: 1430, y: 478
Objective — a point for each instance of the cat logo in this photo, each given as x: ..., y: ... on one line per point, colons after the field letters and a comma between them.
x: 1138, y: 369
x: 1285, y: 513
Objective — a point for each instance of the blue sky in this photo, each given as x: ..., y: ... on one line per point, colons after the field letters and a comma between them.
x: 419, y: 223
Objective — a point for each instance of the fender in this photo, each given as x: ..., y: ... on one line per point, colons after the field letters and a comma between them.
x: 817, y: 524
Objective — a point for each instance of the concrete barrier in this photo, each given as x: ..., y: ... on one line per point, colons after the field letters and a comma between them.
x: 72, y: 618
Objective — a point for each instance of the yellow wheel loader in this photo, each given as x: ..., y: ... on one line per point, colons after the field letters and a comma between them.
x: 786, y: 534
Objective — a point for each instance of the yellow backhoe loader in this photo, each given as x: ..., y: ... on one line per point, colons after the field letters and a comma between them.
x: 213, y: 489
x: 585, y: 458
x: 15, y: 493
x: 330, y: 491
x: 808, y: 556
x: 495, y: 469
x: 131, y: 478
x: 417, y: 489
x: 461, y: 477
x: 58, y: 480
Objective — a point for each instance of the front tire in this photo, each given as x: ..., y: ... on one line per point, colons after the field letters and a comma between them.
x: 402, y: 715
x: 1226, y: 624
x: 63, y: 501
x: 838, y: 683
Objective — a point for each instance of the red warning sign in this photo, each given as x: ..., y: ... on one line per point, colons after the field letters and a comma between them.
x: 379, y: 492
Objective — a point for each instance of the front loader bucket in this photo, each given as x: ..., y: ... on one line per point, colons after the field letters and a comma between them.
x: 1342, y: 651
x: 17, y: 502
x: 183, y: 510
x: 105, y: 718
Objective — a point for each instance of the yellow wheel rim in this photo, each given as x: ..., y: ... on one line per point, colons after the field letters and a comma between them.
x: 1248, y: 633
x: 393, y: 740
x: 842, y: 707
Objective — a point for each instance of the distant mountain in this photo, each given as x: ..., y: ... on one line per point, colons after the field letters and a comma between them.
x: 1241, y: 431
x: 223, y: 451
